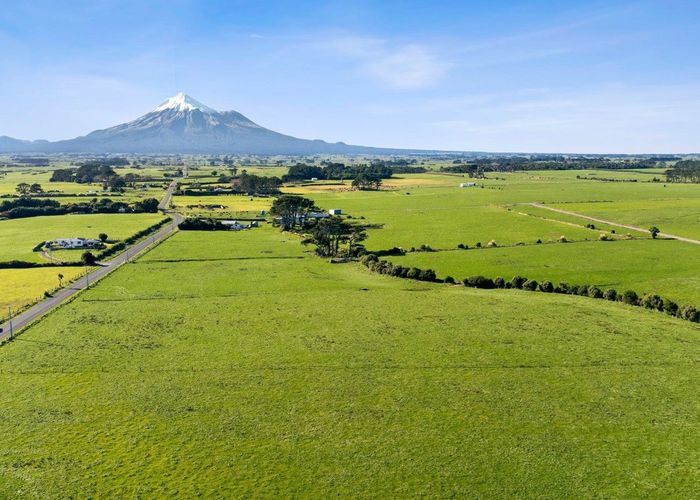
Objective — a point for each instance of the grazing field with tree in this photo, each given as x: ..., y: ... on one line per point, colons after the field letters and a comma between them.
x: 19, y: 237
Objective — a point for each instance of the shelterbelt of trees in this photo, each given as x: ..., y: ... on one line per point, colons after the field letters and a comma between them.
x: 340, y: 171
x: 477, y: 166
x: 34, y: 207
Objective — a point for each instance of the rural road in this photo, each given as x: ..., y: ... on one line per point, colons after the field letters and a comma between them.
x: 616, y: 224
x: 40, y: 309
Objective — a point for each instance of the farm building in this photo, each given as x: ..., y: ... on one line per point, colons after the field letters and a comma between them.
x: 75, y: 243
x: 467, y: 184
x: 335, y: 211
x: 234, y: 225
x: 300, y: 219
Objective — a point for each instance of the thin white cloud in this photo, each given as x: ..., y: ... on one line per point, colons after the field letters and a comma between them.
x: 402, y: 66
x: 407, y: 67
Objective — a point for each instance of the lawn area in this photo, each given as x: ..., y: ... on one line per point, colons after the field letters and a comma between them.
x: 20, y: 287
x: 666, y: 267
x: 250, y: 368
x: 18, y: 237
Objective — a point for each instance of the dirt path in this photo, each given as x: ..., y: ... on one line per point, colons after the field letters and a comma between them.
x: 616, y: 224
x: 46, y: 254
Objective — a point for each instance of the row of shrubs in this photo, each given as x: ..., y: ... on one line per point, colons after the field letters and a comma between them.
x: 23, y: 264
x: 630, y: 297
x: 372, y: 262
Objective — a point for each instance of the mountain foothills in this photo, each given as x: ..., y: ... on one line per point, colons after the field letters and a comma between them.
x: 184, y: 125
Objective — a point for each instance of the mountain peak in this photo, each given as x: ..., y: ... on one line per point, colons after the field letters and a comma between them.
x: 183, y: 102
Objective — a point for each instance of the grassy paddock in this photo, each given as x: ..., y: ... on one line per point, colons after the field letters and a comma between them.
x: 668, y: 268
x: 250, y: 368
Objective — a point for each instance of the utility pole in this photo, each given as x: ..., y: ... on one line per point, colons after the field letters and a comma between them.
x: 87, y: 278
x: 9, y: 313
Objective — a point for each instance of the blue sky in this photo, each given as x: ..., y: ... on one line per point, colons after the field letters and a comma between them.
x: 537, y: 76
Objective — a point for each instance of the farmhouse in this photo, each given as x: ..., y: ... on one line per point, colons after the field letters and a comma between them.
x: 335, y: 211
x: 75, y: 243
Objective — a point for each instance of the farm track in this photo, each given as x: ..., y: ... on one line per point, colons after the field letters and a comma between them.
x: 616, y: 224
x: 47, y: 305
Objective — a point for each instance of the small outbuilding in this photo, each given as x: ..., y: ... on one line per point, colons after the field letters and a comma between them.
x: 467, y: 184
x: 335, y: 211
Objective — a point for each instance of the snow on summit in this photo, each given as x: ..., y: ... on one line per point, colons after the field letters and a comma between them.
x: 183, y: 102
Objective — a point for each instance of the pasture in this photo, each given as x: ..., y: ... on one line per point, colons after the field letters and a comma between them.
x: 236, y: 364
x: 442, y: 215
x: 220, y: 205
x: 665, y: 267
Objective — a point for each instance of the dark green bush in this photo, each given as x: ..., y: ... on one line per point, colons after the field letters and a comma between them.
x: 670, y: 307
x: 546, y: 287
x: 413, y: 273
x: 479, y: 282
x: 690, y: 313
x: 594, y: 292
x: 653, y: 301
x: 499, y: 282
x: 518, y: 281
x: 630, y: 297
x: 610, y: 294
x: 530, y: 285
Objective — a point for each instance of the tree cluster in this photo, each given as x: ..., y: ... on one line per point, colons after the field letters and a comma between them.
x: 334, y: 237
x: 292, y: 211
x: 684, y: 171
x: 255, y: 184
x: 337, y: 171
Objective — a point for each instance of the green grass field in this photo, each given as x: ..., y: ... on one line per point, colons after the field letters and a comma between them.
x: 440, y: 214
x: 18, y: 237
x: 665, y: 267
x: 236, y: 364
x: 674, y: 216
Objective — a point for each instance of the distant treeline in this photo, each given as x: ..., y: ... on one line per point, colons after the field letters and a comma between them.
x: 684, y: 171
x: 337, y: 171
x: 33, y: 207
x: 478, y: 167
x: 90, y: 172
x: 37, y: 162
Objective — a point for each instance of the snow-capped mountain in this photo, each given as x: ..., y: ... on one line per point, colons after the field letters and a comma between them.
x: 183, y: 125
